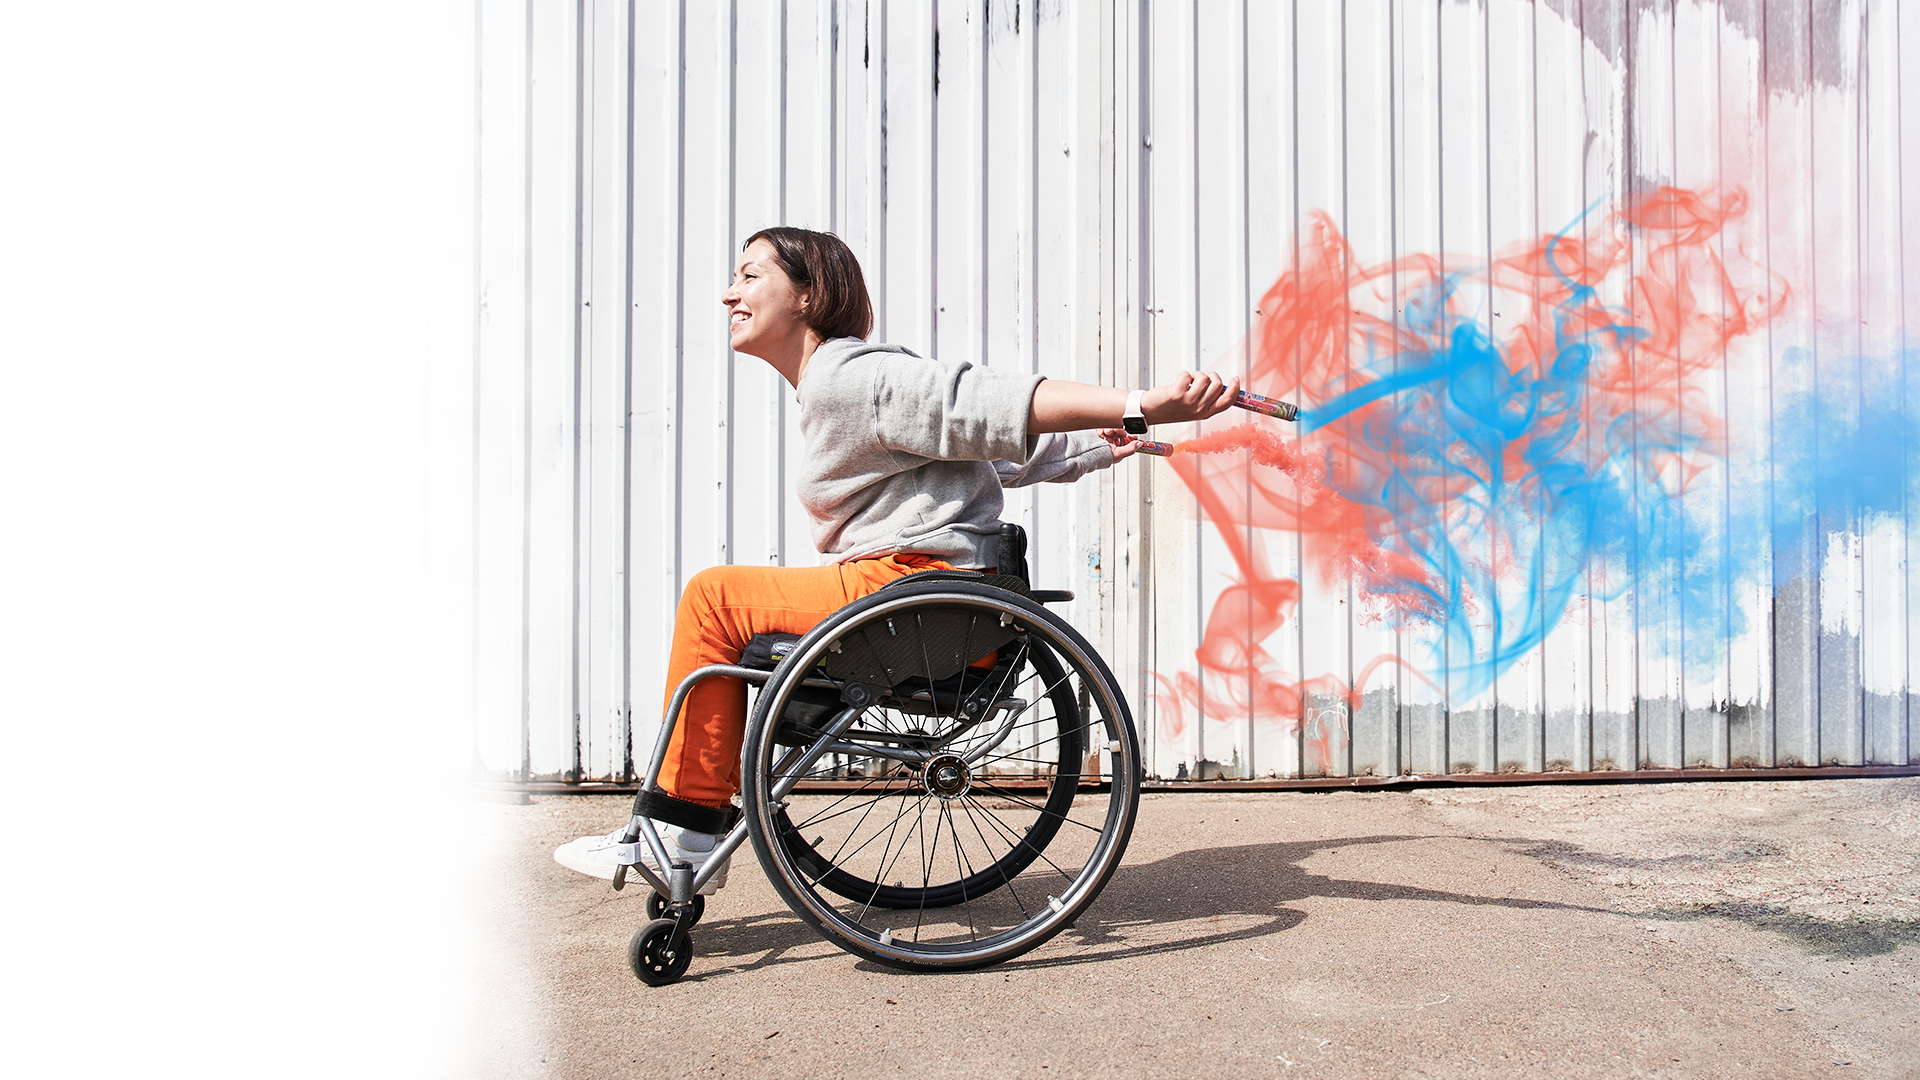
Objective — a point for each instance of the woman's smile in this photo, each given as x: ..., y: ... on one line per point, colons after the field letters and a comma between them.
x: 765, y: 312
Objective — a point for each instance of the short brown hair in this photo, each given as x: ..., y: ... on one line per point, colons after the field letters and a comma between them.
x: 822, y: 263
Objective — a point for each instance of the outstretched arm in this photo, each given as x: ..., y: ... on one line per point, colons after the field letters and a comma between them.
x: 1059, y: 405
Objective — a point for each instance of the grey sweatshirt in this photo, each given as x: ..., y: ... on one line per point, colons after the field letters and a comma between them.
x: 906, y: 454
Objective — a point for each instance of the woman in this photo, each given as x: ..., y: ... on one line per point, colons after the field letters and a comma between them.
x: 903, y: 467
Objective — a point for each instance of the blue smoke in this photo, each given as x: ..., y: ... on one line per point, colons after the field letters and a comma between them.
x: 1521, y: 491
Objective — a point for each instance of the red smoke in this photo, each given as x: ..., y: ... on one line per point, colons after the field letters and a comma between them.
x: 1432, y: 499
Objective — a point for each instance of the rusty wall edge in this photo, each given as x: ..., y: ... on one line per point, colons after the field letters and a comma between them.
x: 1325, y: 783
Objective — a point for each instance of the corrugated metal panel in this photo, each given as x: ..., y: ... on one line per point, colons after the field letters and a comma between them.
x: 1673, y: 538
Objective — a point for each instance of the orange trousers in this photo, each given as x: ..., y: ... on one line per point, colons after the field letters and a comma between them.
x: 720, y: 611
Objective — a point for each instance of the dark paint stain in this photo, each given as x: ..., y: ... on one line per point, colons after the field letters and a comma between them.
x: 1839, y: 939
x: 1795, y: 55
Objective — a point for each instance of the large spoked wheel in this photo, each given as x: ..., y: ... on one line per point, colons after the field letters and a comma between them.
x: 961, y: 817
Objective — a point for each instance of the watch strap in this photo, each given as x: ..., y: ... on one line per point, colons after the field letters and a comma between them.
x: 1133, y: 420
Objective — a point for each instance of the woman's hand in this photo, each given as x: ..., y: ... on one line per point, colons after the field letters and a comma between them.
x: 1193, y: 395
x: 1124, y: 445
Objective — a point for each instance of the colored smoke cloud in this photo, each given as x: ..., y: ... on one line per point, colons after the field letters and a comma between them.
x: 1474, y: 484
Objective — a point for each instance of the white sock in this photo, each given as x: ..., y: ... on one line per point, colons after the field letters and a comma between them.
x: 697, y: 841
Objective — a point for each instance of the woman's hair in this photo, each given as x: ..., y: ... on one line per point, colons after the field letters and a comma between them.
x: 822, y: 263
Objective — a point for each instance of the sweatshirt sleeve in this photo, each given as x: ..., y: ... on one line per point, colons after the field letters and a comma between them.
x: 1056, y: 459
x: 950, y: 411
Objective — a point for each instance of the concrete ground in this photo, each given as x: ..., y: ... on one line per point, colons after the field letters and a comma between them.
x: 1749, y: 929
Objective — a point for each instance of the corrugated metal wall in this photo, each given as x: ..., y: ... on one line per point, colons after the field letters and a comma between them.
x: 1600, y: 309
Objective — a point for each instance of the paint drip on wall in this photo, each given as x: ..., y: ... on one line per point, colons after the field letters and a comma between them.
x: 1485, y: 448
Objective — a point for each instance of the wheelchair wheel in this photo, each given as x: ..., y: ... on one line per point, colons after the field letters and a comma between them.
x: 654, y: 955
x: 955, y: 821
x: 657, y: 907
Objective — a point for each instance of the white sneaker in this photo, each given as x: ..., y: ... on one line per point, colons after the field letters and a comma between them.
x: 599, y: 855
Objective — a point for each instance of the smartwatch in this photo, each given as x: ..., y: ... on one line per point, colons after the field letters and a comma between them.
x: 1133, y: 419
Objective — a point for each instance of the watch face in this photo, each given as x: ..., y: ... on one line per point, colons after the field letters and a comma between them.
x: 1135, y: 425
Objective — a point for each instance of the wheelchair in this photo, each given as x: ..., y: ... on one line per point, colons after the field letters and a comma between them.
x: 939, y: 776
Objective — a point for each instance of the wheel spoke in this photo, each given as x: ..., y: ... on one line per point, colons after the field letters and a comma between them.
x: 962, y: 867
x: 816, y: 819
x: 988, y: 844
x: 1014, y: 796
x: 887, y: 863
x: 1042, y: 855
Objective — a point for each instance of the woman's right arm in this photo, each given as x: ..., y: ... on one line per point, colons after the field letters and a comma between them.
x: 1059, y: 405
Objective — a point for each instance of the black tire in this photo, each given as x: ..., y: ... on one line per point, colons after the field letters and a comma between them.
x: 657, y: 907
x: 656, y: 958
x: 929, y: 853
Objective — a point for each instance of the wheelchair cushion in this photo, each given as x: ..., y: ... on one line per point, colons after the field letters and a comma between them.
x: 998, y: 581
x: 765, y: 651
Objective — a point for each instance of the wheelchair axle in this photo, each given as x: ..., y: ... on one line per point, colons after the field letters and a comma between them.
x: 947, y: 777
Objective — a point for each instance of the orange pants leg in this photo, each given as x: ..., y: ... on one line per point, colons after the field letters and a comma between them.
x: 720, y: 611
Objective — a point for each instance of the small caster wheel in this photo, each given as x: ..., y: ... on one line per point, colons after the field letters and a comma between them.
x: 656, y: 959
x: 657, y: 907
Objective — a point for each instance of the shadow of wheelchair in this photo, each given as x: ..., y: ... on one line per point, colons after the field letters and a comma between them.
x: 1248, y: 888
x: 1225, y: 895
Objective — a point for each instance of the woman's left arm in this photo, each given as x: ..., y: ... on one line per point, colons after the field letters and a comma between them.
x: 1059, y: 405
x: 1060, y: 458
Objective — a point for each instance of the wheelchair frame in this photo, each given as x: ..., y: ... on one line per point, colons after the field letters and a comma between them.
x: 940, y: 741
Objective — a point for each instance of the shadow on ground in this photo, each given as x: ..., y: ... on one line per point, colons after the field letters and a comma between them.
x: 1250, y: 887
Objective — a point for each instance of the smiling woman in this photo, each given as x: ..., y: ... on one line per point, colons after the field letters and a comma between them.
x: 904, y: 465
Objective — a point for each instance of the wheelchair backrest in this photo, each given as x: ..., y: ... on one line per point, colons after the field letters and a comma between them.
x: 1013, y: 553
x: 941, y: 642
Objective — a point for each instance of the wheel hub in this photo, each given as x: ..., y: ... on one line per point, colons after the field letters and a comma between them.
x: 947, y: 777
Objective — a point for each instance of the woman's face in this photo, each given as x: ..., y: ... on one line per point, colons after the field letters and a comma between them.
x: 764, y: 310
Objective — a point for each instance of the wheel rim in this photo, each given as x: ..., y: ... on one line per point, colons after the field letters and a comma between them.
x: 957, y: 860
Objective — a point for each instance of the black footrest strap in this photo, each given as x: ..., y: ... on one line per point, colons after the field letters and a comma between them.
x: 661, y: 806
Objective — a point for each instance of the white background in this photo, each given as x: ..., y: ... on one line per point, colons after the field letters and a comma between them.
x: 225, y: 284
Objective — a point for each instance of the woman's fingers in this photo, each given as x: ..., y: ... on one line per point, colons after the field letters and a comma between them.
x: 1190, y: 395
x: 1196, y: 395
x: 1218, y: 395
x: 1115, y: 436
x: 1223, y: 397
x: 1124, y: 445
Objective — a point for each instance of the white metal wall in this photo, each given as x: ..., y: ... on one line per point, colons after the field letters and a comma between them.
x: 1108, y: 192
